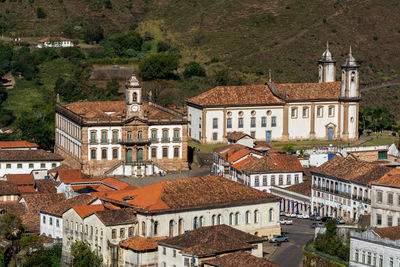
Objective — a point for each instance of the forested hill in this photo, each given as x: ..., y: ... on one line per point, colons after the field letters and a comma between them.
x: 247, y: 36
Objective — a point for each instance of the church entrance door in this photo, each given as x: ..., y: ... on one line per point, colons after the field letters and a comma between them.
x: 129, y: 155
x: 140, y: 155
x: 268, y: 138
x: 330, y: 133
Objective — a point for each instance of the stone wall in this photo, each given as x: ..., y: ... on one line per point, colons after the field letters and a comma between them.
x: 312, y: 259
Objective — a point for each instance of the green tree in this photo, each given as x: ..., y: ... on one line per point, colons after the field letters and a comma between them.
x: 83, y: 256
x: 194, y: 69
x: 93, y: 34
x: 288, y: 148
x: 40, y: 13
x: 44, y: 257
x: 158, y: 66
x: 23, y: 63
x: 112, y: 88
x: 11, y: 226
x: 68, y: 90
x: 3, y: 93
x: 6, y: 54
x: 163, y: 46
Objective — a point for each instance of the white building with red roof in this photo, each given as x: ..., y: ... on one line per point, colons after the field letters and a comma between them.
x: 327, y: 110
x: 54, y: 42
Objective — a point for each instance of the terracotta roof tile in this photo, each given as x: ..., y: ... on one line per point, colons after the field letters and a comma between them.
x: 21, y: 179
x: 235, y: 147
x: 86, y: 210
x: 117, y: 216
x: 117, y: 183
x: 391, y: 178
x: 240, y: 258
x: 12, y: 206
x: 17, y: 144
x: 206, y: 191
x: 238, y: 155
x: 142, y: 244
x: 273, y: 163
x: 29, y: 155
x: 236, y: 136
x: 26, y: 189
x: 310, y: 91
x: 46, y: 186
x: 8, y: 188
x: 358, y: 171
x: 237, y: 96
x: 212, y: 240
x: 391, y: 232
x: 303, y: 188
x: 66, y: 175
x: 242, y: 163
x: 32, y: 222
x: 60, y: 207
x: 37, y: 202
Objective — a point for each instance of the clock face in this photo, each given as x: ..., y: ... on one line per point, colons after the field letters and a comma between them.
x: 134, y: 108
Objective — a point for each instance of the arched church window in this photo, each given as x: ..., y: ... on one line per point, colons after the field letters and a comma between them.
x: 134, y: 97
x: 353, y: 75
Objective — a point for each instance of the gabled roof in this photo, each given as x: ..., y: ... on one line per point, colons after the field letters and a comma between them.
x: 357, y: 171
x: 392, y: 178
x: 309, y: 91
x: 117, y: 216
x: 21, y: 179
x: 46, y: 186
x: 391, y: 232
x: 236, y: 136
x: 66, y: 175
x: 28, y: 155
x: 142, y: 244
x: 211, y: 240
x: 272, y: 163
x: 8, y: 188
x: 27, y: 189
x: 12, y: 206
x: 236, y: 96
x: 120, y: 185
x: 37, y: 202
x: 242, y: 163
x: 240, y: 258
x: 303, y: 188
x: 189, y: 193
x: 60, y: 207
x: 17, y: 144
x: 53, y: 39
x: 87, y: 210
x: 230, y: 147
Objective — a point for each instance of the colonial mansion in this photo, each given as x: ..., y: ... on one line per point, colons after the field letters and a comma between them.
x: 130, y: 138
x: 327, y: 110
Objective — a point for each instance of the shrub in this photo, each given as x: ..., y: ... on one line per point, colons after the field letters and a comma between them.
x: 40, y: 13
x: 194, y: 69
x: 158, y: 66
x: 163, y: 46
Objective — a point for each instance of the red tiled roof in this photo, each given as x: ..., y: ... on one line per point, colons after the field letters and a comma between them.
x: 234, y: 147
x: 240, y: 258
x: 66, y: 175
x: 309, y: 91
x: 236, y: 136
x: 26, y: 189
x: 391, y: 232
x: 111, y: 217
x: 139, y: 243
x: 206, y: 191
x: 238, y: 155
x: 17, y: 144
x: 237, y: 96
x: 8, y: 188
x: 242, y: 163
x: 303, y: 188
x: 273, y: 163
x: 117, y: 183
x: 28, y: 155
x: 21, y: 179
x: 60, y: 207
x: 53, y: 39
x: 352, y: 170
x: 86, y: 210
x: 37, y: 202
x: 12, y: 206
x: 391, y: 178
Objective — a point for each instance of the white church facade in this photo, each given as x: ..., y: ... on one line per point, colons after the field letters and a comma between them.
x: 327, y: 110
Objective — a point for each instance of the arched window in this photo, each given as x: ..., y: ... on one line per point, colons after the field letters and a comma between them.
x: 171, y: 228
x: 155, y: 228
x: 143, y: 229
x: 134, y: 97
x: 213, y: 220
x: 201, y: 221
x: 231, y: 219
x: 271, y: 217
x: 219, y: 219
x: 180, y: 226
x: 256, y: 216
x: 237, y: 218
x: 247, y: 217
x: 195, y: 223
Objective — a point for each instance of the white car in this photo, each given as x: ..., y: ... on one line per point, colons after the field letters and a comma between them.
x: 282, y: 213
x: 287, y: 214
x: 282, y: 222
x: 289, y: 222
x: 299, y: 216
x: 293, y: 215
x: 306, y: 216
x: 286, y: 222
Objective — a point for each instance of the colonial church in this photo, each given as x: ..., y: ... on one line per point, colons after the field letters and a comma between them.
x: 327, y: 110
x: 130, y: 138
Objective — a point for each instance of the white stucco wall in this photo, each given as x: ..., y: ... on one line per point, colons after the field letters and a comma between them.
x: 11, y: 167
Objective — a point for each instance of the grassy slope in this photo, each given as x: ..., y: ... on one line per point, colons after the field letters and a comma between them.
x: 389, y: 97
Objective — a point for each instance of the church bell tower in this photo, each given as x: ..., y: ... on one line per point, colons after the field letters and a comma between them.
x: 327, y: 67
x: 350, y: 78
x: 133, y: 94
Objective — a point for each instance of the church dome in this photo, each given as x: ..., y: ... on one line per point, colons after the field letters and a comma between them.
x: 327, y: 55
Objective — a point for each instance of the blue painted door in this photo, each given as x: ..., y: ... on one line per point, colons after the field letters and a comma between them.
x: 268, y: 138
x: 330, y: 133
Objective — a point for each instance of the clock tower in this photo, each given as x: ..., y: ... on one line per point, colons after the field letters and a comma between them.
x: 133, y: 94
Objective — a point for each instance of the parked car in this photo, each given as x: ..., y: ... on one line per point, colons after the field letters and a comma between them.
x: 282, y: 213
x: 279, y: 238
x: 283, y: 222
x: 299, y: 216
x: 315, y: 217
x: 340, y: 220
x: 293, y: 215
x: 306, y: 216
x: 326, y: 218
x: 289, y: 222
x: 265, y: 237
x: 287, y: 214
x: 316, y: 224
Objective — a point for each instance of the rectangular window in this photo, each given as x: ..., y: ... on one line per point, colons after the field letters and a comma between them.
x: 42, y: 165
x: 176, y: 152
x: 30, y: 165
x: 165, y: 152
x: 115, y: 137
x: 129, y: 135
x: 176, y: 135
x: 113, y: 233
x: 280, y: 179
x: 331, y: 111
x: 51, y: 221
x: 8, y: 166
x: 93, y: 137
x: 215, y: 136
x: 154, y: 152
x: 153, y: 135
x: 257, y: 181
x: 305, y: 112
x: 57, y: 223
x: 273, y: 121
x: 19, y: 165
x: 296, y: 178
x: 265, y: 180
x: 289, y: 179
x: 272, y: 179
x: 93, y: 154
x: 379, y: 197
x: 53, y: 165
x: 378, y: 219
x: 115, y: 153
x: 294, y: 113
x: 389, y: 221
x: 174, y: 253
x: 122, y: 233
x: 356, y: 256
x: 139, y: 135
x: 104, y: 153
x: 215, y: 123
x: 229, y: 123
x: 263, y: 122
x: 390, y: 198
x: 130, y: 231
x: 240, y: 123
x: 253, y: 122
x: 165, y: 135
x: 253, y: 134
x: 164, y: 251
x: 103, y: 137
x: 319, y: 112
x: 44, y: 219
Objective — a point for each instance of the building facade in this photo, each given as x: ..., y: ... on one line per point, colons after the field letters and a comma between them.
x: 296, y: 199
x: 327, y: 110
x: 130, y: 138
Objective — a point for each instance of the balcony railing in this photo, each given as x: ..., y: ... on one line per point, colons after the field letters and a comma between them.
x: 128, y: 141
